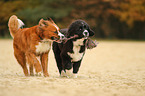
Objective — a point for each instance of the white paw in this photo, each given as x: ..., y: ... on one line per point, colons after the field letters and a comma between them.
x: 69, y: 73
x: 39, y: 74
x: 63, y: 74
x: 75, y: 75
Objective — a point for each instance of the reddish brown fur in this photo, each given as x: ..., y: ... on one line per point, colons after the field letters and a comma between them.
x: 25, y: 41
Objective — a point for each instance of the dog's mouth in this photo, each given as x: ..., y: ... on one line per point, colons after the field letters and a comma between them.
x: 50, y: 40
x: 54, y: 38
x: 59, y: 41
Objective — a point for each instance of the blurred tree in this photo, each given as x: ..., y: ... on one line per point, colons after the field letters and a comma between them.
x: 108, y: 18
x: 96, y: 13
x: 55, y: 9
x: 113, y: 18
x: 132, y: 12
x: 8, y: 8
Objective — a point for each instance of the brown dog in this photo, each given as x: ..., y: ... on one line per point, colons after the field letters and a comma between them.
x: 31, y: 42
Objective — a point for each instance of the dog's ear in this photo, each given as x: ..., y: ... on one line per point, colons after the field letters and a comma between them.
x: 42, y: 23
x: 49, y: 19
x: 91, y: 32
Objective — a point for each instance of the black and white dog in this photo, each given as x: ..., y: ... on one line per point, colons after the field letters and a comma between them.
x: 69, y: 54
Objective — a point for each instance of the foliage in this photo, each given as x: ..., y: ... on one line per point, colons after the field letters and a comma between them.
x: 131, y: 11
x: 48, y: 8
x: 6, y: 11
x: 108, y: 18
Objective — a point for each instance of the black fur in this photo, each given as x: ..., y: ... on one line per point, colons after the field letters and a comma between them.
x: 63, y: 60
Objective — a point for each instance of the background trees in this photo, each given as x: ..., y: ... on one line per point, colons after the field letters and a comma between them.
x: 123, y: 19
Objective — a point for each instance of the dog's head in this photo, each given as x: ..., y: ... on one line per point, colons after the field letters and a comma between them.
x: 80, y: 28
x: 48, y: 30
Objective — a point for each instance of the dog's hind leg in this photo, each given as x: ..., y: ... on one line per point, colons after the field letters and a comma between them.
x: 44, y: 63
x: 30, y: 66
x: 31, y: 70
x: 34, y: 62
x: 20, y: 56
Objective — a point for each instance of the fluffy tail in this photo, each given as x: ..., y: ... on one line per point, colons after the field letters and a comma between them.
x: 14, y: 25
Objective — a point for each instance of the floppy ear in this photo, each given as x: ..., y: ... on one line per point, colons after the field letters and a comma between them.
x: 91, y: 32
x: 49, y: 19
x: 42, y: 23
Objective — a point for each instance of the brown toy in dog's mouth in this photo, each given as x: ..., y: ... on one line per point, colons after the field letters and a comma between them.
x: 90, y: 44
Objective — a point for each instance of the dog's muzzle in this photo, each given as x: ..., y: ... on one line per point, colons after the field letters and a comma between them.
x: 86, y: 33
x: 62, y: 37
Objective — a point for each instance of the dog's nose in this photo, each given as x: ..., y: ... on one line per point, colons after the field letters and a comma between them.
x: 62, y: 37
x: 86, y: 33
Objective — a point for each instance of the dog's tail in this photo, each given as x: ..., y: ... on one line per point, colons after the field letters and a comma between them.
x: 14, y: 25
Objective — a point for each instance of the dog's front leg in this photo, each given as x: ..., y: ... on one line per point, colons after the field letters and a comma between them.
x: 44, y: 62
x: 67, y: 65
x: 76, y: 67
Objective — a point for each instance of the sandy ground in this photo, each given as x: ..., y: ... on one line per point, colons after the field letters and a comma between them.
x: 112, y: 69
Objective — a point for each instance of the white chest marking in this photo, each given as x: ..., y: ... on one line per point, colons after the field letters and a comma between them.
x: 76, y: 56
x: 43, y: 47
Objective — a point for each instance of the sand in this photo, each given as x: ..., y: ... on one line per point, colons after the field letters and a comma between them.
x: 114, y: 68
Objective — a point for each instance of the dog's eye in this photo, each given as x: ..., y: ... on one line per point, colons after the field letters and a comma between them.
x: 56, y: 32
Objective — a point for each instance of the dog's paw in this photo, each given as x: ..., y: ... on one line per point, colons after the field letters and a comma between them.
x: 31, y: 74
x: 39, y: 74
x: 69, y: 73
x: 63, y: 74
x: 46, y: 74
x: 75, y: 75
